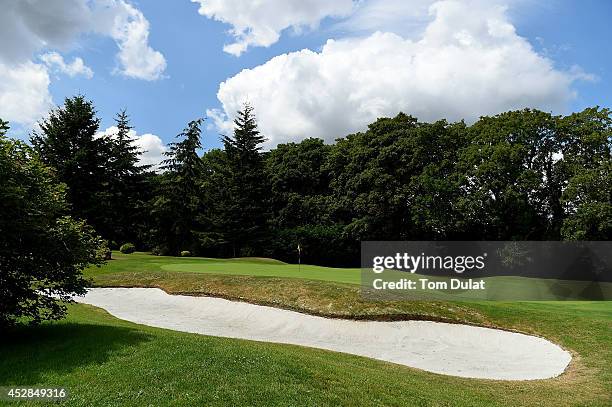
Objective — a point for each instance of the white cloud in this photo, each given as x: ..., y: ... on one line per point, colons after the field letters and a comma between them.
x: 153, y: 149
x: 28, y: 27
x: 260, y: 23
x: 151, y: 146
x: 24, y: 92
x: 75, y: 68
x: 130, y: 29
x: 468, y: 61
x: 401, y: 17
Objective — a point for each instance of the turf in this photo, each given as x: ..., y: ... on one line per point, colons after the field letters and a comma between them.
x: 105, y: 361
x: 503, y: 287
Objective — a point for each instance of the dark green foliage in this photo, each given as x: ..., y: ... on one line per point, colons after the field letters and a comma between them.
x: 129, y: 187
x: 106, y: 186
x: 177, y: 205
x: 587, y: 199
x: 127, y: 248
x: 242, y: 206
x: 520, y: 175
x: 66, y: 141
x: 4, y: 127
x: 42, y: 250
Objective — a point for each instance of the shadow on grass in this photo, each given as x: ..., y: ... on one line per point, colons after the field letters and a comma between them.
x: 27, y: 354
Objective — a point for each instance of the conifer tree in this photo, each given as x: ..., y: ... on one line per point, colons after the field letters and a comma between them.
x: 67, y: 142
x: 129, y: 188
x: 244, y: 209
x: 178, y: 203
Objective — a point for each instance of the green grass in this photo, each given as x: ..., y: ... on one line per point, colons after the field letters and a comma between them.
x: 105, y: 361
x: 241, y: 266
x: 504, y: 287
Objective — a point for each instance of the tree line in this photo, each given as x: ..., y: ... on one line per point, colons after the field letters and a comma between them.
x: 520, y: 175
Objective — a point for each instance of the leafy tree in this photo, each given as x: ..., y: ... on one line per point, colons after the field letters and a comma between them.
x: 178, y: 204
x: 244, y: 207
x: 587, y: 152
x: 42, y: 251
x: 511, y: 182
x: 298, y: 180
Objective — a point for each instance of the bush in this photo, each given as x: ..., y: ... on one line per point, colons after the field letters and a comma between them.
x: 38, y: 277
x: 185, y: 253
x: 127, y: 248
x: 104, y: 252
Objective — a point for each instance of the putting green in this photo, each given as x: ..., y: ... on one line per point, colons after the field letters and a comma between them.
x: 233, y: 267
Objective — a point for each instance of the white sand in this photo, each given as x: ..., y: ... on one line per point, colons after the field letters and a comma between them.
x: 451, y: 349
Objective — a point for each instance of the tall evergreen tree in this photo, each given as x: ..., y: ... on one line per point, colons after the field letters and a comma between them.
x: 129, y: 188
x: 178, y: 203
x: 244, y: 205
x: 67, y: 142
x: 4, y: 127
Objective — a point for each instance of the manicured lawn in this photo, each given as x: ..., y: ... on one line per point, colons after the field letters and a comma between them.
x: 105, y: 361
x: 505, y: 287
x: 243, y: 266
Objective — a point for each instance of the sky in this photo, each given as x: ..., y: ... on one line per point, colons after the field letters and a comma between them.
x: 310, y: 68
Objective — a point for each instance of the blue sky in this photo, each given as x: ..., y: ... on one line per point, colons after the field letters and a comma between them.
x: 572, y: 36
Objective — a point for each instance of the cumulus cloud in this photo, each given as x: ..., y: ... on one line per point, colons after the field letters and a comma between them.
x: 397, y: 16
x: 28, y: 27
x: 151, y: 146
x: 24, y: 92
x: 130, y: 29
x: 77, y: 67
x: 468, y: 61
x: 260, y: 23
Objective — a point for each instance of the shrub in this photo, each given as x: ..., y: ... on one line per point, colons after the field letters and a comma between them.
x: 127, y: 248
x: 161, y: 250
x: 37, y: 278
x: 104, y: 252
x: 185, y: 253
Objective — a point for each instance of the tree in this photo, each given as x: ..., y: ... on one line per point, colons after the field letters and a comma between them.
x: 42, y: 251
x: 129, y: 186
x: 178, y: 204
x: 67, y: 141
x: 244, y: 206
x: 511, y: 181
x: 4, y: 127
x: 587, y: 152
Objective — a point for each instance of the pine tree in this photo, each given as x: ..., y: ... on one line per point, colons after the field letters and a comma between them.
x: 67, y: 142
x: 4, y: 127
x: 129, y: 188
x: 178, y: 203
x: 244, y: 206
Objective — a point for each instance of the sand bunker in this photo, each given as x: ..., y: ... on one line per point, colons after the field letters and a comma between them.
x: 451, y: 349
